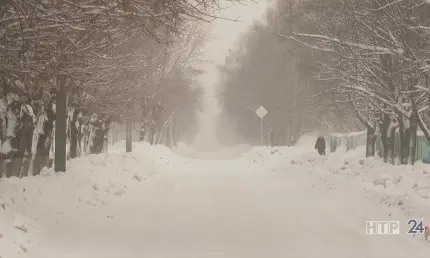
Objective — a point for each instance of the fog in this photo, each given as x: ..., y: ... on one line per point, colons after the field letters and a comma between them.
x: 235, y: 20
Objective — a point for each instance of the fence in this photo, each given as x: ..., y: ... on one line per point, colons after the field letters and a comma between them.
x: 353, y: 140
x: 117, y: 133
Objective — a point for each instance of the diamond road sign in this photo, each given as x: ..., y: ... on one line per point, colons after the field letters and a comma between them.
x: 261, y: 112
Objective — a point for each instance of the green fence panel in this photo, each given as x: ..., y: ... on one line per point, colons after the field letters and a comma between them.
x: 425, y: 148
x: 422, y: 151
x: 418, y: 149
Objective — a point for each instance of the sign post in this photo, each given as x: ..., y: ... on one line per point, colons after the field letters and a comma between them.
x: 261, y: 113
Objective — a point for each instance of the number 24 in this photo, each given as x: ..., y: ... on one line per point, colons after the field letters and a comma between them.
x: 417, y: 227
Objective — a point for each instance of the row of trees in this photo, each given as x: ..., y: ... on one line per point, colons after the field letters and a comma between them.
x: 369, y: 58
x: 268, y: 70
x: 69, y: 68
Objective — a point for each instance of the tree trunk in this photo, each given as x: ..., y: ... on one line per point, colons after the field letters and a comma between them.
x: 289, y: 132
x: 61, y: 127
x: 73, y: 134
x: 113, y: 140
x: 80, y: 137
x: 143, y: 119
x: 177, y: 134
x: 18, y: 157
x: 105, y: 143
x: 106, y: 124
x: 44, y: 130
x: 25, y: 137
x: 155, y: 136
x: 151, y: 136
x: 142, y: 131
x: 174, y: 134
x: 405, y: 137
x: 388, y: 134
x: 370, y: 141
x: 86, y: 138
x: 12, y: 160
x: 16, y: 148
x: 271, y: 138
x: 128, y: 132
x: 25, y: 167
x: 384, y: 129
x: 169, y: 136
x: 2, y: 140
x: 97, y: 130
x: 413, y: 137
x: 391, y: 144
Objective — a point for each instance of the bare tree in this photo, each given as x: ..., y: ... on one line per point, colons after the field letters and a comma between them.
x: 376, y: 51
x: 277, y: 74
x: 92, y: 54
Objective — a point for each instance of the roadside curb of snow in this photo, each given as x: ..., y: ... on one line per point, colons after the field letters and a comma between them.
x: 405, y: 188
x: 110, y: 173
x: 91, y: 181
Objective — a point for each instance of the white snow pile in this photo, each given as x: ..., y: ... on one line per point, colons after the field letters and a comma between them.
x: 404, y: 189
x: 282, y: 155
x: 29, y: 204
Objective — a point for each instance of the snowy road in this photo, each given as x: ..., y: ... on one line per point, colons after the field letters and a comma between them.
x: 227, y: 208
x: 230, y: 209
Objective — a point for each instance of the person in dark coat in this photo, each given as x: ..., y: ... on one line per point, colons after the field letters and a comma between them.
x: 320, y: 145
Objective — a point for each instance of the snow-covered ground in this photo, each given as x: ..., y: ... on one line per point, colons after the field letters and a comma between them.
x: 266, y: 202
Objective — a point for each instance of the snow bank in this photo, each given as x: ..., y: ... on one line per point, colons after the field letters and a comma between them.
x: 281, y: 155
x: 404, y: 187
x: 29, y: 204
x: 403, y: 190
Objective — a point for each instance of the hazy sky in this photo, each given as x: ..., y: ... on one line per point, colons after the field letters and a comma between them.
x: 223, y: 34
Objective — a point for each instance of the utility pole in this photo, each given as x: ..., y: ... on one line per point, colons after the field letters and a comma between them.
x: 261, y: 113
